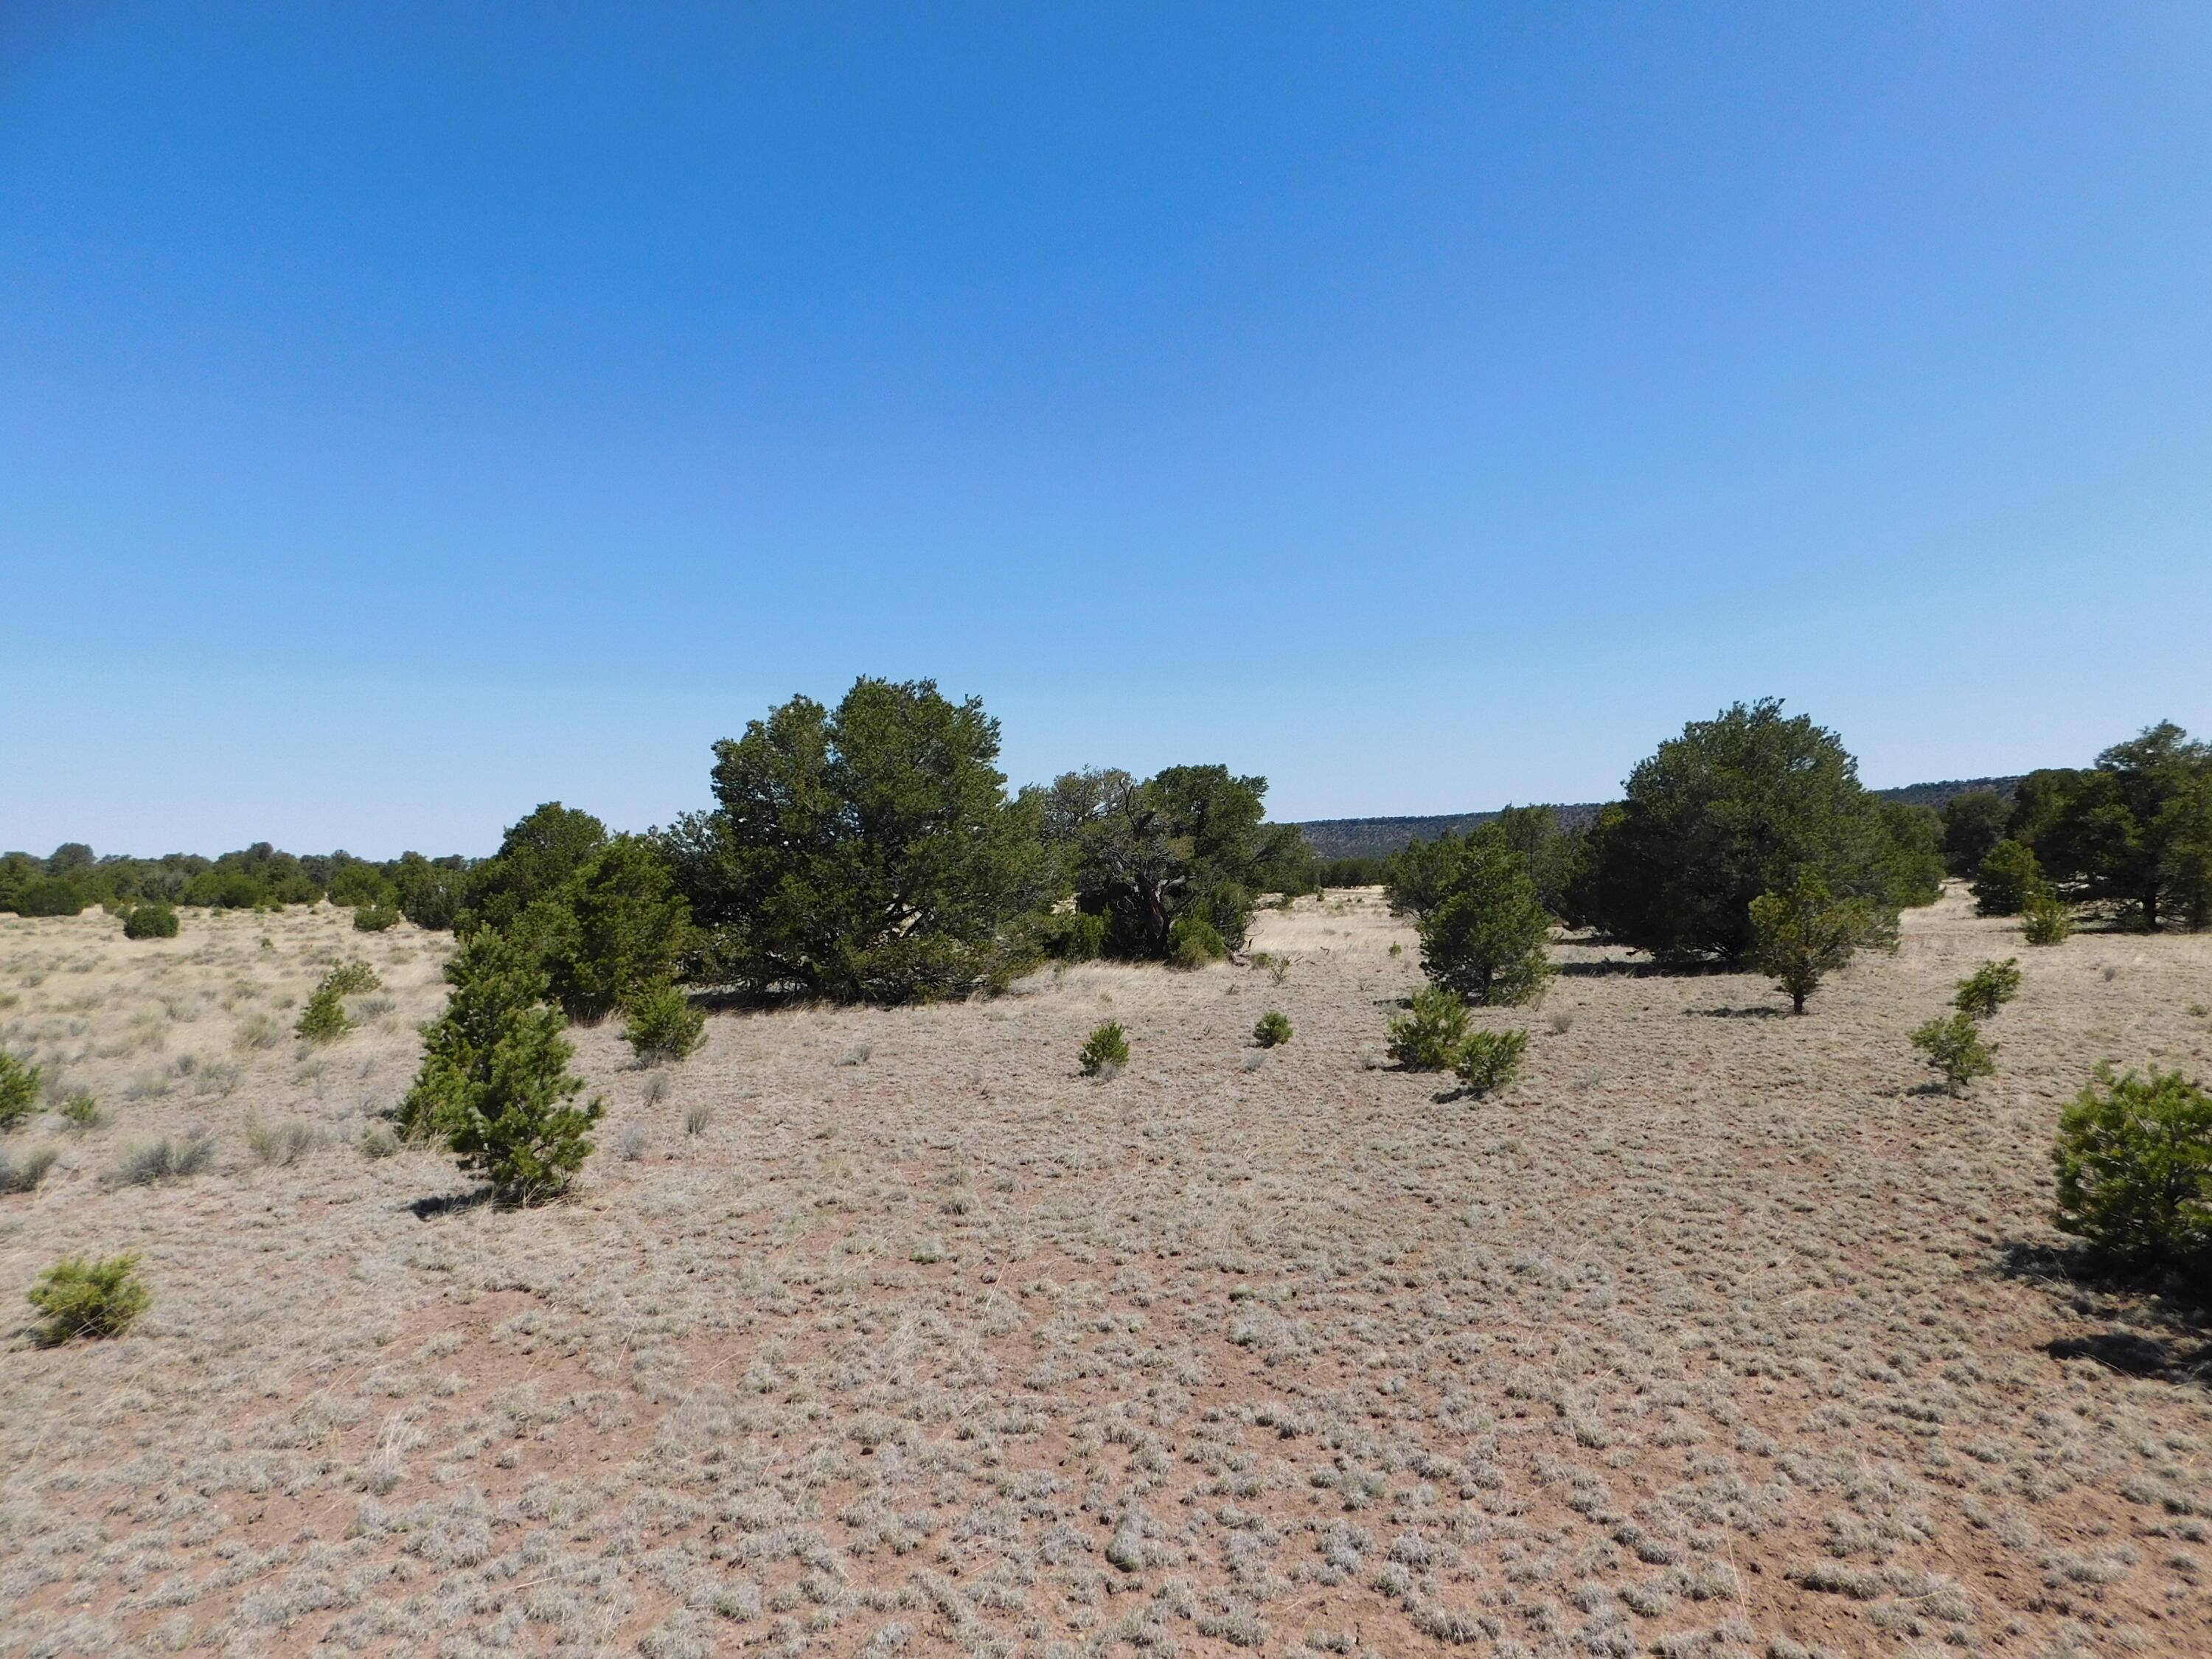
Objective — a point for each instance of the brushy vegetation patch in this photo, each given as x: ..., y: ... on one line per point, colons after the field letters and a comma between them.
x: 1429, y: 1035
x: 2134, y: 1158
x: 1953, y: 1046
x: 169, y: 1158
x: 664, y: 1025
x: 89, y: 1298
x: 18, y: 1090
x: 1489, y: 1062
x: 22, y: 1173
x: 1105, y: 1051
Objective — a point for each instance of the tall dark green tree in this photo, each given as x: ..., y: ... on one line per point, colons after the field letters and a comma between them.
x: 1484, y: 935
x: 868, y: 853
x: 1912, y: 867
x: 1972, y: 824
x: 494, y: 1084
x: 2114, y: 836
x: 1189, y: 842
x: 430, y: 890
x: 1736, y: 806
x: 612, y: 931
x: 537, y: 856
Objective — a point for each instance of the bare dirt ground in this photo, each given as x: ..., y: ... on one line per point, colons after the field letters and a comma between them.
x: 1711, y: 1336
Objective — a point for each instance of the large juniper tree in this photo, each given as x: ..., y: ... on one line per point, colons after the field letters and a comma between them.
x: 1190, y: 843
x: 1735, y: 807
x: 868, y: 852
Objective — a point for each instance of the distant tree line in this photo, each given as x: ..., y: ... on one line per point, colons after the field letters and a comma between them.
x: 71, y: 880
x: 874, y: 851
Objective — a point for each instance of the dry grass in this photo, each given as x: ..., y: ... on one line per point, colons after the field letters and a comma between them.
x: 1702, y: 1339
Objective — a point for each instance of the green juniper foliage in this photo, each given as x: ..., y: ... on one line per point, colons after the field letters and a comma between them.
x: 1484, y: 931
x: 2047, y: 918
x: 614, y: 927
x: 1804, y: 933
x: 1350, y: 871
x: 83, y: 1297
x: 1106, y: 1049
x: 534, y: 857
x: 1972, y: 824
x: 1072, y: 935
x: 1489, y: 1062
x: 2134, y: 830
x: 1272, y: 1030
x: 375, y: 918
x: 1732, y: 808
x: 52, y: 896
x: 19, y: 1089
x: 1193, y: 942
x: 2008, y: 878
x: 1428, y: 1037
x: 1988, y: 988
x: 353, y: 979
x: 149, y: 921
x: 494, y: 1084
x: 663, y: 1026
x: 2134, y: 1158
x: 325, y: 1018
x: 1953, y: 1046
x: 1190, y: 841
x: 868, y: 853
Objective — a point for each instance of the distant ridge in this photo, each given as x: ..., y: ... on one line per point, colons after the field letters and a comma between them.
x: 1350, y: 838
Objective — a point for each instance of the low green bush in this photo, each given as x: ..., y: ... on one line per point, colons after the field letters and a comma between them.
x: 1988, y: 988
x: 494, y: 1084
x: 149, y: 921
x: 82, y: 1110
x: 2047, y: 918
x: 325, y: 1018
x: 353, y: 979
x: 1194, y: 941
x: 25, y: 1176
x: 663, y: 1026
x: 19, y: 1089
x: 1429, y: 1036
x: 2009, y: 876
x: 1075, y: 935
x: 1803, y: 933
x: 89, y: 1298
x: 1490, y: 1061
x: 2134, y: 1158
x: 1952, y: 1045
x: 1106, y: 1051
x: 1274, y: 1028
x: 50, y: 896
x: 375, y: 918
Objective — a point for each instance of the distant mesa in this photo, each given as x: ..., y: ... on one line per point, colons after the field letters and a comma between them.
x: 1354, y: 838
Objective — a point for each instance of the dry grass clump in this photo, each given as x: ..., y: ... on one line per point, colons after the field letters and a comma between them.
x: 1712, y: 1337
x: 22, y: 1172
x: 164, y: 1159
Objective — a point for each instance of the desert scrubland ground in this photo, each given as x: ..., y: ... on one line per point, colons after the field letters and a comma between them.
x: 1712, y: 1336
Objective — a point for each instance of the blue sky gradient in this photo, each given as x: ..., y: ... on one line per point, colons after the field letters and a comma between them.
x: 411, y: 413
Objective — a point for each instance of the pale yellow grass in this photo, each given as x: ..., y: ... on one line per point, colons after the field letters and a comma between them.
x: 1712, y: 1336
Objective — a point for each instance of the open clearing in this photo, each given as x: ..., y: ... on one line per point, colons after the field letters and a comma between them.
x: 1713, y: 1335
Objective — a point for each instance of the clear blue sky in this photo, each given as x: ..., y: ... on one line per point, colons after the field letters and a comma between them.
x: 411, y: 413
